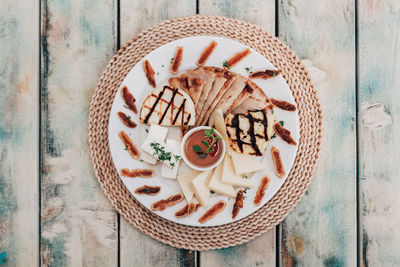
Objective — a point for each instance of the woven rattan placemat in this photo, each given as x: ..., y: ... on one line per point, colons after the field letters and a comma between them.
x: 202, y: 238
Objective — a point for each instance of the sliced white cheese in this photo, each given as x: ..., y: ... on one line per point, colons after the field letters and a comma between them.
x: 270, y: 124
x: 159, y: 150
x: 200, y: 188
x: 158, y: 132
x: 168, y: 171
x: 218, y: 186
x: 244, y: 163
x: 221, y: 128
x: 230, y: 177
x: 185, y: 182
x: 146, y: 157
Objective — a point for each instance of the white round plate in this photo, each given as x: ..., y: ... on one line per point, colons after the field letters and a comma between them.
x: 137, y: 84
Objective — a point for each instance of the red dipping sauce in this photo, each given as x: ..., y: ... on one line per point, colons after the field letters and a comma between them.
x: 199, y: 158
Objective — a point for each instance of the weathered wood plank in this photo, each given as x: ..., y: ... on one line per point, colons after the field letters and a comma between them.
x: 136, y: 248
x: 260, y: 251
x: 379, y: 82
x: 79, y: 226
x: 19, y: 127
x: 321, y: 230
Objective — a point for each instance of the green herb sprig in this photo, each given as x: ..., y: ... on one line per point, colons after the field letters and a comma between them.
x: 209, y: 145
x: 162, y: 155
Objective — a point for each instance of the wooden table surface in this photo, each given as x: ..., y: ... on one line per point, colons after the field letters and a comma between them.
x: 52, y: 210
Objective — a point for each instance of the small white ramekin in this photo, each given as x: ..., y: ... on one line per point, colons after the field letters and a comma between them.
x: 191, y: 165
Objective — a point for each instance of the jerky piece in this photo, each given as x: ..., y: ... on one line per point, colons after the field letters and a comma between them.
x: 176, y: 62
x: 148, y: 190
x: 206, y: 53
x: 238, y: 204
x: 261, y: 190
x: 129, y: 99
x: 283, y: 104
x: 264, y: 74
x: 149, y: 71
x: 187, y: 210
x: 276, y: 157
x: 164, y: 203
x: 230, y: 63
x: 284, y: 133
x: 214, y: 210
x: 126, y: 120
x: 144, y: 173
x: 129, y: 145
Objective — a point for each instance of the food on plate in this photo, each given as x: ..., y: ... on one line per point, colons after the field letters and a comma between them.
x: 126, y: 120
x: 129, y: 99
x: 206, y: 53
x: 244, y: 163
x: 192, y: 86
x: 283, y: 104
x: 166, y: 153
x: 284, y: 134
x: 276, y: 157
x: 238, y: 204
x: 208, y: 77
x: 219, y: 186
x: 148, y: 190
x: 249, y: 132
x: 129, y: 145
x: 254, y: 101
x: 165, y: 203
x: 144, y: 173
x: 218, y: 117
x: 229, y: 176
x: 185, y: 182
x: 200, y: 187
x: 261, y: 190
x: 149, y: 71
x: 177, y: 60
x: 158, y: 132
x: 203, y: 147
x: 230, y: 63
x: 264, y: 74
x: 214, y: 210
x: 169, y: 107
x: 187, y: 210
x: 170, y: 171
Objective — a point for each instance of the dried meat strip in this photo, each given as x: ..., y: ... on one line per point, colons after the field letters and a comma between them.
x: 206, y: 53
x: 129, y: 145
x: 284, y: 133
x: 276, y: 157
x: 126, y: 120
x: 148, y: 190
x: 149, y: 71
x: 238, y: 204
x: 214, y: 210
x: 129, y: 99
x: 264, y: 74
x: 164, y: 203
x: 230, y: 63
x: 261, y: 190
x: 187, y: 210
x: 283, y: 104
x: 144, y: 173
x: 176, y: 62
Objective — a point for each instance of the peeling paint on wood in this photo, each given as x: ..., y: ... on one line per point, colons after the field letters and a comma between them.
x: 136, y: 248
x: 19, y: 72
x: 79, y: 226
x: 321, y: 230
x: 379, y: 51
x: 260, y: 251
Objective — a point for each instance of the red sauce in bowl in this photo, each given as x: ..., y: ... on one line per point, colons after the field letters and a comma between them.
x: 199, y: 158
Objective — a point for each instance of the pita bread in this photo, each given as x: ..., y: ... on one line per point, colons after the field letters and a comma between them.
x: 169, y: 107
x: 256, y: 100
x: 191, y: 86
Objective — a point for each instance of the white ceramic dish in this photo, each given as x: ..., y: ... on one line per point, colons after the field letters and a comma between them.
x: 137, y: 84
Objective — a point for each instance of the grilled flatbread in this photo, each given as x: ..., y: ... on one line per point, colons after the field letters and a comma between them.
x: 192, y: 86
x: 169, y: 107
x: 256, y: 100
x: 250, y: 132
x: 230, y: 96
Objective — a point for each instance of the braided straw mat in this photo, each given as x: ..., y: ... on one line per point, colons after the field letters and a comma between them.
x: 272, y: 213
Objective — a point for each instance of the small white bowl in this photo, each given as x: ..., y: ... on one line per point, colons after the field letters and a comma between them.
x: 191, y: 165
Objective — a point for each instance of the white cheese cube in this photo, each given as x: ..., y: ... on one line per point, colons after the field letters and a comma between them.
x: 146, y: 157
x: 161, y: 151
x: 185, y: 182
x: 218, y: 186
x: 158, y: 132
x: 244, y: 163
x: 200, y: 187
x: 230, y: 177
x: 168, y: 171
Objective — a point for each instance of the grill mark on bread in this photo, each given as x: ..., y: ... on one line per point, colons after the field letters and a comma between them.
x: 148, y: 190
x: 261, y: 190
x: 206, y: 53
x: 214, y: 210
x: 264, y: 74
x: 130, y: 146
x: 126, y: 120
x: 276, y: 158
x: 170, y: 102
x: 284, y: 134
x: 181, y: 109
x: 187, y: 210
x: 143, y: 173
x: 149, y: 71
x: 176, y: 62
x: 238, y: 204
x: 154, y: 105
x: 165, y: 203
x: 283, y: 104
x: 129, y: 99
x: 238, y: 57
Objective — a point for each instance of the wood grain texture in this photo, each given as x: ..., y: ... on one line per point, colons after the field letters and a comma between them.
x: 260, y: 251
x: 379, y: 129
x: 19, y: 117
x: 136, y: 248
x: 321, y: 230
x: 79, y: 226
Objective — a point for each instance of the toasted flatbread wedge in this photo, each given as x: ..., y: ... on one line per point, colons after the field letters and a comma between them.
x: 169, y: 107
x: 192, y: 86
x: 250, y: 132
x: 256, y: 100
x: 230, y: 96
